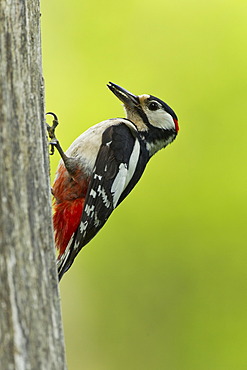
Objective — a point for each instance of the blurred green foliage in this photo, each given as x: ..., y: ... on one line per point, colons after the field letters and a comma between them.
x: 164, y: 284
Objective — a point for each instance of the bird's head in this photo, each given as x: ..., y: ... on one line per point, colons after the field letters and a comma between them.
x: 146, y: 111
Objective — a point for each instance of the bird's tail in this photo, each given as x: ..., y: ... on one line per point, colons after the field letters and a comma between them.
x: 65, y: 260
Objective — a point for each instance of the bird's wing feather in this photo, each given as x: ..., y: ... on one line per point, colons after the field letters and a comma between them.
x: 114, y: 169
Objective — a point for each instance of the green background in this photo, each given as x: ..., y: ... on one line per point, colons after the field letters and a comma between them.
x: 164, y: 284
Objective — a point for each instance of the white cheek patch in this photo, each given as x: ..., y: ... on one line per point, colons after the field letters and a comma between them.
x: 161, y: 119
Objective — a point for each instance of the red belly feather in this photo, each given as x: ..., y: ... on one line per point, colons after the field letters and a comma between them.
x: 69, y: 203
x: 66, y: 220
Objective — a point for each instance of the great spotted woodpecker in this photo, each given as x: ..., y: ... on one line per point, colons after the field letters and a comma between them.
x: 102, y: 166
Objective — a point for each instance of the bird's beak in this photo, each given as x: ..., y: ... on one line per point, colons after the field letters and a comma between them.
x: 125, y: 96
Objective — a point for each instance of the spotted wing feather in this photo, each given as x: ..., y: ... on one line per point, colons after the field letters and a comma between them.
x: 114, y: 169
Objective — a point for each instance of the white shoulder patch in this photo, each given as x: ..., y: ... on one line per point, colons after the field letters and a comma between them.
x: 125, y: 174
x: 133, y: 161
x: 119, y: 183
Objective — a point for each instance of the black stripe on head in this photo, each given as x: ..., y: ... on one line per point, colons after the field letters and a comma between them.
x: 166, y: 106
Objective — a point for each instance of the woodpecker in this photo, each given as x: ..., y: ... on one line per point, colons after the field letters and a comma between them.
x: 102, y: 166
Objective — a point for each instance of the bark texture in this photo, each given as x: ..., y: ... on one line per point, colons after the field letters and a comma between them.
x: 31, y: 334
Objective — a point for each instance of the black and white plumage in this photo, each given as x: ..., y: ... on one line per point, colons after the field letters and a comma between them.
x: 103, y: 165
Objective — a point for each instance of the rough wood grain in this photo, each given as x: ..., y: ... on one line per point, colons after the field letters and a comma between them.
x: 31, y: 334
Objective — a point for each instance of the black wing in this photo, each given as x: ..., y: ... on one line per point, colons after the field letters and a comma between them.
x: 119, y: 165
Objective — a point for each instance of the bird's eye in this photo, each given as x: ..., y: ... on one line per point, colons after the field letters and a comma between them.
x: 153, y: 105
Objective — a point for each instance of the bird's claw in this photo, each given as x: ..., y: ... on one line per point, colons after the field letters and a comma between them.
x: 51, y: 132
x: 53, y: 143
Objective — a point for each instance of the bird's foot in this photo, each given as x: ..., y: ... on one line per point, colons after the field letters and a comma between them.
x: 51, y: 132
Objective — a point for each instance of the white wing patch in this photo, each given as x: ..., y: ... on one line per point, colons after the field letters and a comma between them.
x: 118, y: 185
x: 89, y: 210
x: 101, y: 191
x: 93, y: 193
x: 83, y: 227
x: 133, y: 161
x: 125, y: 174
x: 96, y: 220
x: 97, y: 176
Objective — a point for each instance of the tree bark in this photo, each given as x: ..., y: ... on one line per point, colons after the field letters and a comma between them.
x: 31, y: 335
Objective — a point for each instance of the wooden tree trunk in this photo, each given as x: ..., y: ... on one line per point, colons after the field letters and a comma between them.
x: 31, y: 335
